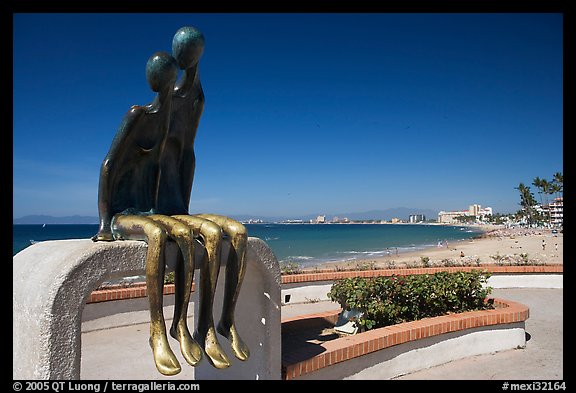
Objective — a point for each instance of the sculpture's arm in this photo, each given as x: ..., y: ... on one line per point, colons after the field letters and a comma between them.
x: 164, y: 121
x: 188, y: 167
x: 109, y: 170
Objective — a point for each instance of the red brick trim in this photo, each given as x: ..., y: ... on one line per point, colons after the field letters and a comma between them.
x: 138, y: 290
x: 330, y: 275
x: 335, y: 351
x: 134, y: 291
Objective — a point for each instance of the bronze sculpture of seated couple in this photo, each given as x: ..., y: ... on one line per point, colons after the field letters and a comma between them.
x: 144, y: 192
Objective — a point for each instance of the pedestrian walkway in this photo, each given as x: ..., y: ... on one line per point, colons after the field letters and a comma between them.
x: 541, y: 359
x: 295, y: 310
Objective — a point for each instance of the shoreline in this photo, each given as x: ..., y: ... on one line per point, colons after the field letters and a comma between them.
x: 495, y: 245
x: 352, y: 252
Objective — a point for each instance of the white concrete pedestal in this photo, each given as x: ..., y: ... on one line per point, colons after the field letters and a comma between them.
x: 53, y: 279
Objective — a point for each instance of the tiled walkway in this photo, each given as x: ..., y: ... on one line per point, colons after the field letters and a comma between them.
x: 542, y: 359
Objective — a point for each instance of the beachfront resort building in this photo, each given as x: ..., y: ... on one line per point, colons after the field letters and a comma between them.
x: 477, y: 211
x: 556, y: 209
x: 415, y: 218
x: 338, y: 220
x: 552, y: 212
x: 321, y: 219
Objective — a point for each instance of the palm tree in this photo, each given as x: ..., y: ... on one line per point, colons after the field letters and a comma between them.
x: 527, y: 201
x: 557, y: 185
x: 539, y: 184
x: 546, y: 189
x: 558, y: 182
x: 549, y: 188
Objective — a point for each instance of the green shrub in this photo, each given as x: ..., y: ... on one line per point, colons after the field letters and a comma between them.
x: 425, y: 261
x: 366, y: 265
x: 290, y: 268
x: 169, y: 278
x: 390, y: 300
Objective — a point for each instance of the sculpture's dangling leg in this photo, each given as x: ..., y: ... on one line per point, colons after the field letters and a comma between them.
x: 183, y: 276
x: 211, y: 235
x: 131, y: 227
x: 235, y: 270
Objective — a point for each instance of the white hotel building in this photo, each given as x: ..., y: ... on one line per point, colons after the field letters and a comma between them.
x: 473, y: 210
x: 557, y: 211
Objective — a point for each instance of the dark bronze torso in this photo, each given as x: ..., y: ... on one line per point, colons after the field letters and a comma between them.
x: 178, y: 161
x: 137, y: 168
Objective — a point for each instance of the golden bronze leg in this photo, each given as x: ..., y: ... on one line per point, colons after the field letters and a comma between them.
x: 141, y: 228
x: 211, y: 235
x: 235, y: 270
x: 183, y: 276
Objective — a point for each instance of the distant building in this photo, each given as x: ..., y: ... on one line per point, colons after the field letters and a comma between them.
x: 395, y: 220
x: 415, y: 218
x: 473, y: 210
x: 482, y: 213
x: 477, y: 211
x: 296, y: 221
x: 556, y: 211
x: 254, y: 221
x: 449, y: 217
x: 321, y: 219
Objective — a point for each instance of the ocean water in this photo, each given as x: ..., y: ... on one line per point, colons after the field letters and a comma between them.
x: 314, y: 244
x: 23, y: 235
x: 306, y: 244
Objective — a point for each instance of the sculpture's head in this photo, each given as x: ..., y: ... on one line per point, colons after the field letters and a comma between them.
x: 187, y: 46
x: 161, y: 71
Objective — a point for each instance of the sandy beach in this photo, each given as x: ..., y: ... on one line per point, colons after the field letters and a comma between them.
x: 498, y: 245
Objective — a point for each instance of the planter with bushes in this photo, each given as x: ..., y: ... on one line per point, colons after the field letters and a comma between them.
x: 386, y: 301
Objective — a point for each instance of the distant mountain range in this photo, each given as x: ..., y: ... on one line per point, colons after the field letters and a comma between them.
x: 42, y: 219
x: 398, y: 212
x: 386, y: 214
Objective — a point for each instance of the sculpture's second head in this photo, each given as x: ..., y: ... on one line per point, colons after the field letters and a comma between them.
x: 187, y: 46
x: 161, y: 71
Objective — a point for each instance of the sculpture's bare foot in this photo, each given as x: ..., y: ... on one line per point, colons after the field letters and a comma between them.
x: 103, y: 237
x: 164, y: 358
x: 190, y: 349
x: 213, y: 350
x: 239, y: 348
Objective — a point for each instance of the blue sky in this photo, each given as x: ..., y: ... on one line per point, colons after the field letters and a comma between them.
x: 304, y: 113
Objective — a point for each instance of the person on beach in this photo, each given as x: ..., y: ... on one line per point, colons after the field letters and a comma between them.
x: 543, y: 245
